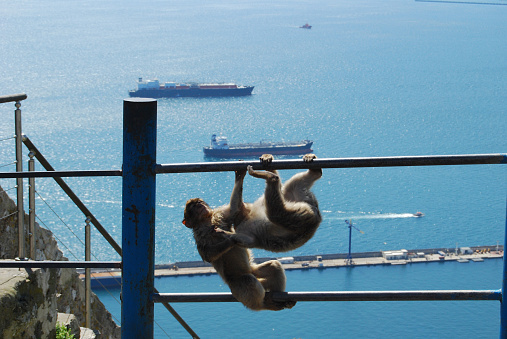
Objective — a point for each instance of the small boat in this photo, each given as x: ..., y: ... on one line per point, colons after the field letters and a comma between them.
x: 220, y: 148
x: 306, y: 26
x: 418, y: 214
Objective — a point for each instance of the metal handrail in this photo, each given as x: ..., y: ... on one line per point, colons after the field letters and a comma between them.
x: 451, y: 295
x: 224, y: 166
x: 62, y: 174
x: 12, y: 98
x: 58, y: 264
x: 431, y: 160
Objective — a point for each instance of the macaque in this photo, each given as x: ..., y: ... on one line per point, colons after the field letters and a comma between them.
x: 250, y: 283
x: 284, y: 218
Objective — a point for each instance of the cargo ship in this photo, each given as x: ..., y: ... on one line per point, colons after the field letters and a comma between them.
x: 156, y: 89
x: 220, y: 148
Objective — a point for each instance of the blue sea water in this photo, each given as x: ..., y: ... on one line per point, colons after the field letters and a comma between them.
x: 371, y: 78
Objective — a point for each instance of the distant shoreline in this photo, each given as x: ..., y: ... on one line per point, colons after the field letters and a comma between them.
x: 112, y: 278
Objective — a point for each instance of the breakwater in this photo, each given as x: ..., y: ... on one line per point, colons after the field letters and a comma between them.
x: 112, y: 278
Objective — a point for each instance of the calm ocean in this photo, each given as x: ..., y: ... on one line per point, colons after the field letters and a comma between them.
x: 371, y: 78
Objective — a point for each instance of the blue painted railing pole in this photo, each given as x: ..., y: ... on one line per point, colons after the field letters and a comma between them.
x: 138, y: 217
x: 503, y: 305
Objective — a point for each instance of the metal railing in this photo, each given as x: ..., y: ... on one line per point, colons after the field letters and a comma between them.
x: 139, y: 183
x: 58, y: 264
x: 17, y: 98
x: 138, y: 213
x: 340, y: 296
x: 19, y: 175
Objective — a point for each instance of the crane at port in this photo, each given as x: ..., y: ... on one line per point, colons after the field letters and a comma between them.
x: 350, y: 226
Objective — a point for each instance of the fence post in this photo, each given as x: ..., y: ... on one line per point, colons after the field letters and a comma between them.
x: 31, y: 206
x: 503, y: 301
x: 19, y: 181
x: 88, y: 282
x: 138, y: 216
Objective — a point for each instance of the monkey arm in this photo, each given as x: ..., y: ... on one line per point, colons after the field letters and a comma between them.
x: 238, y: 210
x: 242, y: 240
x: 211, y: 250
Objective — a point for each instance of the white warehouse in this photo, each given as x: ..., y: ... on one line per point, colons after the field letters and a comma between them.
x: 395, y: 255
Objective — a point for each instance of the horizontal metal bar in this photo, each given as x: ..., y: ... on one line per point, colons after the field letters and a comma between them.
x: 50, y: 174
x: 12, y: 97
x: 58, y: 264
x: 437, y: 160
x: 396, y: 295
x: 433, y: 160
x: 340, y: 296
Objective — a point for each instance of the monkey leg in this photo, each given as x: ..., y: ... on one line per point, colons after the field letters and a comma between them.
x: 266, y: 175
x: 271, y: 275
x: 293, y: 215
x: 247, y: 290
x: 238, y: 209
x: 298, y: 187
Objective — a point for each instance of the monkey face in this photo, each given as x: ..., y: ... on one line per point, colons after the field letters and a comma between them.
x: 196, y: 210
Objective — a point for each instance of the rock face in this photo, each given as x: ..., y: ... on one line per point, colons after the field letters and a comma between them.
x: 31, y: 299
x: 28, y: 303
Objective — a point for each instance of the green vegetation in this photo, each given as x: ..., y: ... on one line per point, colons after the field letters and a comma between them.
x: 63, y: 332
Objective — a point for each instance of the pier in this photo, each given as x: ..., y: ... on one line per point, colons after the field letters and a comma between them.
x: 112, y: 278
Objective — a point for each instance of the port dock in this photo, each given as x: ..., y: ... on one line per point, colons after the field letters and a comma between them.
x: 112, y: 278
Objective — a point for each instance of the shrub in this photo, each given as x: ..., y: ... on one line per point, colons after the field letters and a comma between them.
x: 62, y: 332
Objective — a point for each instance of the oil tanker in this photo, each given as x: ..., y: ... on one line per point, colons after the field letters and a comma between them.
x: 156, y: 89
x: 220, y: 148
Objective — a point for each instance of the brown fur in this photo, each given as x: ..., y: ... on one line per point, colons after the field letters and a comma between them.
x: 284, y: 218
x: 249, y: 283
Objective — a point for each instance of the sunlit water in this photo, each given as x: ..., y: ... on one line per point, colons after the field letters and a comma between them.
x: 371, y: 78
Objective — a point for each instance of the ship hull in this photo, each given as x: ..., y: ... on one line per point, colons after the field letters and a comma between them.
x: 233, y: 152
x: 192, y: 92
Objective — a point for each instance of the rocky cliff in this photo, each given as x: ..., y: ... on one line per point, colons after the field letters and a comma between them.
x: 31, y: 299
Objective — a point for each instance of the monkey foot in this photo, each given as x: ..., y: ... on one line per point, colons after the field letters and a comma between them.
x: 309, y: 157
x: 277, y: 305
x: 266, y: 159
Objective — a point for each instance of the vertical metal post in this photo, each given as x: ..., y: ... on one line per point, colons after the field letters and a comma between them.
x: 138, y: 216
x: 503, y: 301
x: 31, y: 206
x: 88, y: 285
x: 19, y: 181
x: 349, y: 256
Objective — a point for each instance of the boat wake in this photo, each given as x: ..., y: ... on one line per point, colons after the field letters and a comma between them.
x: 347, y: 216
